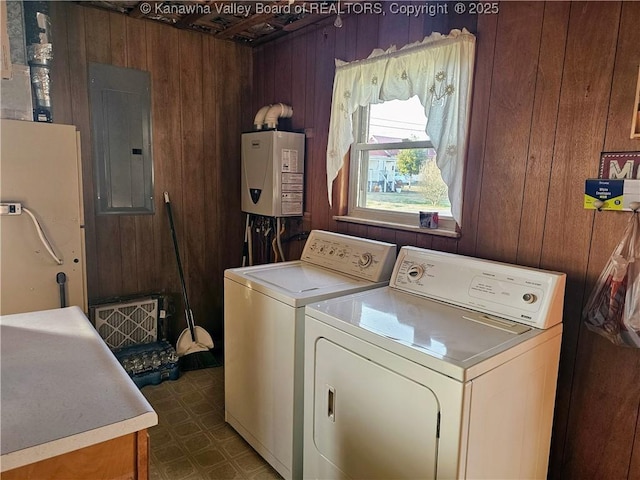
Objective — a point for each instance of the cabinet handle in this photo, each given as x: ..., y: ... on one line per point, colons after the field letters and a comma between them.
x: 331, y: 403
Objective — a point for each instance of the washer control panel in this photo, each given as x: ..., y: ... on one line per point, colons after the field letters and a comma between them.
x: 358, y: 257
x: 522, y: 294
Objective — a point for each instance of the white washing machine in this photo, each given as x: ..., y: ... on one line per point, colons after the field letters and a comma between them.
x: 264, y: 336
x: 449, y: 372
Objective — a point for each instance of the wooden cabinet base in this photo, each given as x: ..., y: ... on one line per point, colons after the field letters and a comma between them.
x: 123, y: 458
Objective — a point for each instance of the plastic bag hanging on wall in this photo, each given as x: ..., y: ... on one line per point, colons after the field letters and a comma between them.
x: 613, y: 308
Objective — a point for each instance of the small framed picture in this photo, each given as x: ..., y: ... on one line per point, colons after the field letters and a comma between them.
x: 428, y: 219
x: 635, y: 122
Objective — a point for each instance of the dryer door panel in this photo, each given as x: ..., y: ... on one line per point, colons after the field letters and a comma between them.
x: 369, y: 421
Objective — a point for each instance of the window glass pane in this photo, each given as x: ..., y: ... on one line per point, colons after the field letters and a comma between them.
x: 404, y: 180
x: 397, y: 120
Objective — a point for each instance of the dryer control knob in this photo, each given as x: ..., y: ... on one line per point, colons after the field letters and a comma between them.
x: 365, y: 260
x: 415, y: 272
x: 529, y: 298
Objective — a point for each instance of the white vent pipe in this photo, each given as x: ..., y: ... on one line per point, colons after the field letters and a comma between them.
x: 279, y: 110
x: 269, y: 115
x: 259, y: 120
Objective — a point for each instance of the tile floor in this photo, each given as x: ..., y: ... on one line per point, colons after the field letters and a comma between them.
x: 192, y: 440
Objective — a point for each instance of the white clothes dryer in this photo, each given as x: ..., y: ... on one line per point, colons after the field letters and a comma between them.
x: 264, y: 336
x: 449, y: 372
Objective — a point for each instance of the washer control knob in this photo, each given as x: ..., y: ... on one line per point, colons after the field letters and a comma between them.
x: 365, y: 260
x: 529, y: 298
x: 415, y: 272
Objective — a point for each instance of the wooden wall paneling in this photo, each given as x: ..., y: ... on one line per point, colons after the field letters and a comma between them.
x: 118, y: 39
x: 126, y: 223
x: 310, y: 119
x: 242, y: 97
x: 511, y: 105
x: 213, y: 79
x: 245, y: 61
x: 162, y: 58
x: 349, y: 32
x: 416, y: 26
x: 317, y: 173
x: 194, y: 214
x: 79, y: 99
x: 436, y: 23
x: 342, y: 227
x: 634, y: 464
x: 227, y: 204
x: 228, y: 207
x: 283, y: 75
x: 367, y: 35
x: 381, y: 234
x: 444, y: 244
x: 298, y: 83
x: 425, y: 241
x: 356, y: 229
x: 543, y: 127
x: 110, y: 274
x: 606, y: 393
x: 271, y: 95
x: 393, y: 29
x: 340, y: 46
x: 584, y: 98
x: 257, y: 96
x: 482, y: 84
x: 62, y: 110
x: 466, y: 19
x: 300, y: 122
x: 406, y: 238
x: 604, y: 410
x: 143, y: 238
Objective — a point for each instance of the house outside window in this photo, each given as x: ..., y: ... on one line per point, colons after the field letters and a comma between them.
x: 394, y: 174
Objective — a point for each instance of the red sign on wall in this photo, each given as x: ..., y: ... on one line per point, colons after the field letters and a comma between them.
x: 620, y: 165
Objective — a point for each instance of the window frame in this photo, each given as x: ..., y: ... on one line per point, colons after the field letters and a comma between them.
x: 358, y: 178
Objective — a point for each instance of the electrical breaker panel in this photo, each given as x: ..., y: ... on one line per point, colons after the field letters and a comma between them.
x: 273, y: 173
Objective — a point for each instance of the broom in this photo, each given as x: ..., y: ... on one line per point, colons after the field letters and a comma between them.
x: 194, y: 343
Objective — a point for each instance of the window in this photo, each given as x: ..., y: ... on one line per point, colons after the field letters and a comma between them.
x: 381, y: 108
x: 394, y: 174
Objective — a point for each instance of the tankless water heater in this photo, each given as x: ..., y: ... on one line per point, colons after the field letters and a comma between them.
x: 273, y: 173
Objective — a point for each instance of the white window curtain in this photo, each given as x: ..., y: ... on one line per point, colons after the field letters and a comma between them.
x: 439, y: 71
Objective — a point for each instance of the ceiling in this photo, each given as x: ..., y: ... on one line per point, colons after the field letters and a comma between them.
x: 248, y: 22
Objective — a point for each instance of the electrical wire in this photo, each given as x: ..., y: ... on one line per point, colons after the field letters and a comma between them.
x: 250, y: 240
x: 245, y: 246
x: 274, y: 240
x: 280, y: 231
x: 43, y: 237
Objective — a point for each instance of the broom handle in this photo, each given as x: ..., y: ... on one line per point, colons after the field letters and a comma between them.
x: 187, y: 311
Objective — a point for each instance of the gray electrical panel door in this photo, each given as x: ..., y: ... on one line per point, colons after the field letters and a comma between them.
x: 120, y: 101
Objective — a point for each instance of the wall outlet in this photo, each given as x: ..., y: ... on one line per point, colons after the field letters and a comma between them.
x: 10, y: 208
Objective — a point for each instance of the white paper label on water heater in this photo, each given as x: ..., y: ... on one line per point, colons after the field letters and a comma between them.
x: 292, y: 208
x: 292, y: 196
x: 290, y: 160
x: 292, y: 178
